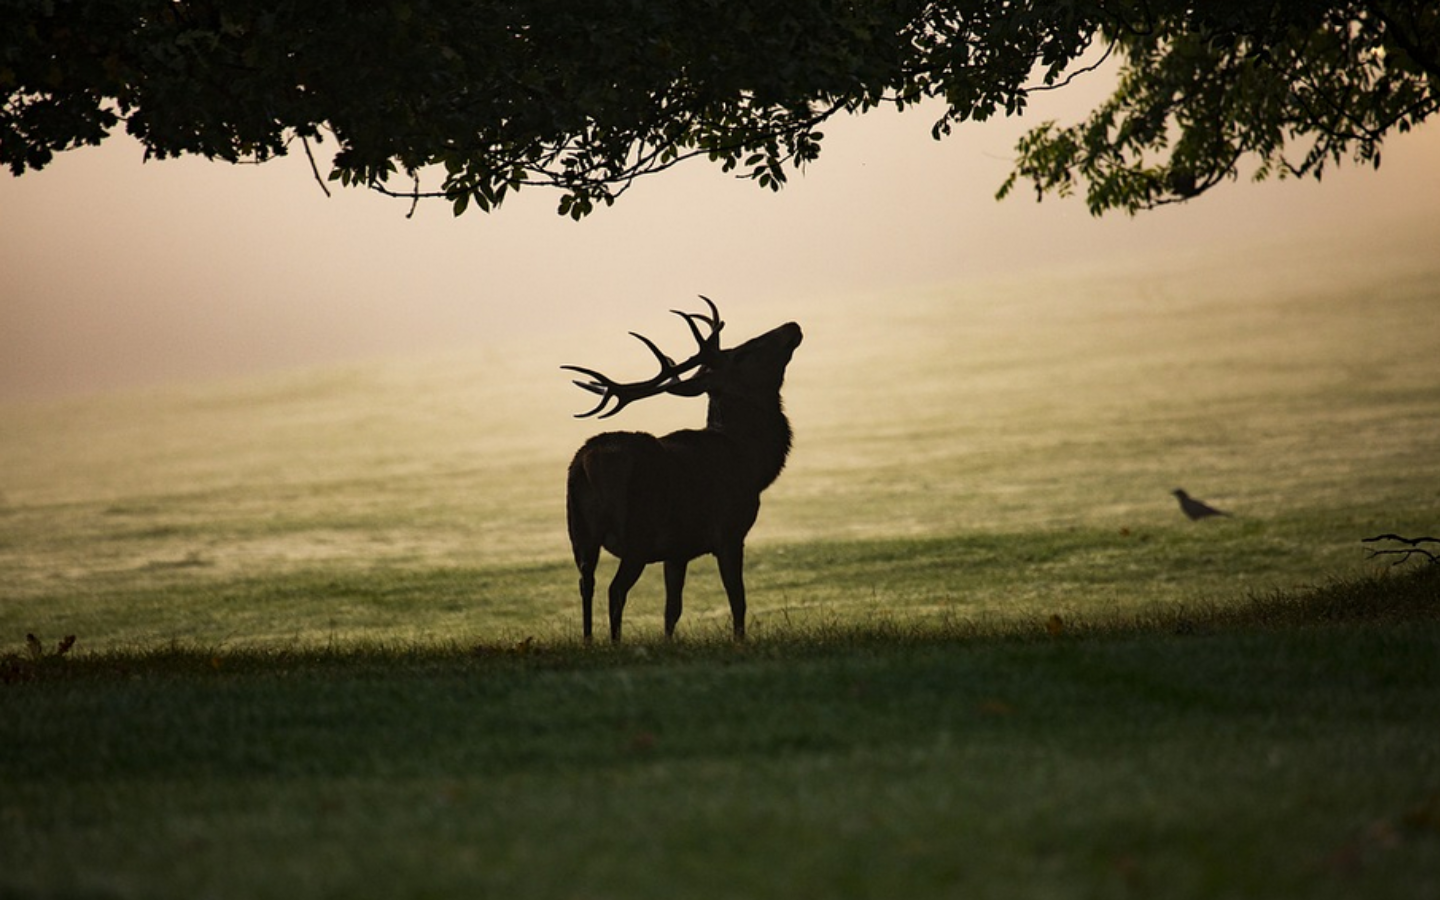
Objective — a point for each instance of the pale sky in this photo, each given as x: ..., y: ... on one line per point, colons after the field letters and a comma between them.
x: 115, y: 273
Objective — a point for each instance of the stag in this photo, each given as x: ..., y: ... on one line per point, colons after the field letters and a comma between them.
x: 671, y: 499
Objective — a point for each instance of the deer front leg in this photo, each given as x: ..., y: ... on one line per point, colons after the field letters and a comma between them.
x: 625, y: 577
x: 732, y: 567
x: 674, y: 589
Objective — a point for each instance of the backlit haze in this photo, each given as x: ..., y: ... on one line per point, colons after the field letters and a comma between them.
x: 116, y: 274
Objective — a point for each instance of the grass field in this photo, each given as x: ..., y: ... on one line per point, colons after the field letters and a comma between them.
x: 327, y: 632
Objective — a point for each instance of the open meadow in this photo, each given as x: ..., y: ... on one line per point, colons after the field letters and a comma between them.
x: 327, y: 631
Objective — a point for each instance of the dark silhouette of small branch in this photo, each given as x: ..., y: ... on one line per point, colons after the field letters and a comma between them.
x: 1413, y: 542
x: 415, y: 202
x: 314, y: 169
x: 1072, y: 76
x: 1412, y: 548
x: 1404, y: 555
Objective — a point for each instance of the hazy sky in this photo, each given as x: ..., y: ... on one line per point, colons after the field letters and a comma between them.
x: 116, y: 273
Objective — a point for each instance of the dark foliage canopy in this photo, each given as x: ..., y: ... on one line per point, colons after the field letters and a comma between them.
x: 472, y: 99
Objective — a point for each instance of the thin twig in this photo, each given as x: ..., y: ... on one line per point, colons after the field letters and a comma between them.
x: 1413, y: 542
x: 1071, y: 76
x: 1404, y: 554
x: 305, y: 142
x: 416, y: 202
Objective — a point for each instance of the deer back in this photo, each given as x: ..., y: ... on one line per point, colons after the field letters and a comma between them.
x: 672, y: 497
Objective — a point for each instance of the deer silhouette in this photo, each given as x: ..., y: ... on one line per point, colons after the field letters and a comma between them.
x: 673, y: 498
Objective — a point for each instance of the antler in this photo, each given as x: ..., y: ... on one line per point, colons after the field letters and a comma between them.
x: 623, y: 393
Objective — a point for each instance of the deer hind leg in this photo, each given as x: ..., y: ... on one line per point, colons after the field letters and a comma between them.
x: 584, y: 539
x: 625, y: 577
x: 587, y: 556
x: 732, y: 568
x: 674, y: 589
x: 586, y: 561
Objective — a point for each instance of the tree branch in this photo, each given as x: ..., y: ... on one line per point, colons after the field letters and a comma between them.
x: 1413, y: 548
x: 314, y: 169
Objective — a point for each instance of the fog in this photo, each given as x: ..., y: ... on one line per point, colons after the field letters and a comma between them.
x: 115, y: 273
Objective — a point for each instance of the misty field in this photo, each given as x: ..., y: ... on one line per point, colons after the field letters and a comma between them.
x: 327, y: 628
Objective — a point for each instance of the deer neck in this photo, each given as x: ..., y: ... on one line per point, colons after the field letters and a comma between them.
x: 758, y: 428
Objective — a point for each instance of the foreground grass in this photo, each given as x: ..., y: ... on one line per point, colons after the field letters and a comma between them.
x: 1285, y: 746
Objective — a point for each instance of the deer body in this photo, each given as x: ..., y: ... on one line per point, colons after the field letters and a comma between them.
x: 693, y: 492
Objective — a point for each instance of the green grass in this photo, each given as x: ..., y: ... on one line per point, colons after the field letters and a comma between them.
x: 976, y: 577
x: 1282, y: 747
x: 327, y: 631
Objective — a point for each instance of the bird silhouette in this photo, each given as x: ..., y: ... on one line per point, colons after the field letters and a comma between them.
x: 1194, y: 508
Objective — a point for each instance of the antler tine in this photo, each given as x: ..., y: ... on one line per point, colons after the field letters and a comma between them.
x: 607, y: 392
x: 714, y: 313
x: 667, y: 365
x: 601, y: 385
x: 713, y: 320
